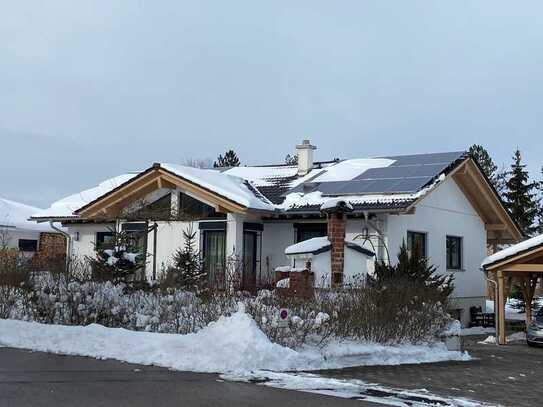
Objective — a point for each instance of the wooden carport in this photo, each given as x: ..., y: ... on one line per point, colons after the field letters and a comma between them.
x: 520, y: 264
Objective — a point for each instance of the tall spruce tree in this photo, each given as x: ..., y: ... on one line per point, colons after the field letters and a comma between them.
x: 485, y: 161
x: 481, y: 155
x: 230, y: 159
x: 520, y: 195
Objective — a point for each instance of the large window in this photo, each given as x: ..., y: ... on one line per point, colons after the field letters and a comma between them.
x: 104, y: 240
x: 28, y: 245
x: 136, y: 234
x: 454, y: 253
x: 305, y: 231
x: 194, y: 209
x: 417, y: 241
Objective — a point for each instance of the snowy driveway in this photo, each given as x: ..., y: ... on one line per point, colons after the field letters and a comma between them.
x: 35, y: 379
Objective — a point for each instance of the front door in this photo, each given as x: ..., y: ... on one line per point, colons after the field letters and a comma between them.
x: 249, y: 261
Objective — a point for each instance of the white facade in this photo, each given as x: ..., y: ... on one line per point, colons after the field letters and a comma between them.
x: 447, y: 212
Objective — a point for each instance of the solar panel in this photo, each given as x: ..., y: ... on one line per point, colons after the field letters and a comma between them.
x: 420, y: 159
x: 406, y: 175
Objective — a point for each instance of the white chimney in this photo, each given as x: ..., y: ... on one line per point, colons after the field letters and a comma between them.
x: 305, y: 157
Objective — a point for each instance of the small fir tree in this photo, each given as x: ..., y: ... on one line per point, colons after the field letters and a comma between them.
x: 230, y: 159
x: 520, y: 196
x: 119, y: 261
x: 187, y: 271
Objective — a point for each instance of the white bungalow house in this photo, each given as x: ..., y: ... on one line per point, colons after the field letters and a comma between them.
x: 441, y: 202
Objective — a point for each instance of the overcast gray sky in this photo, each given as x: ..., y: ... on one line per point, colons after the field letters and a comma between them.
x: 90, y: 89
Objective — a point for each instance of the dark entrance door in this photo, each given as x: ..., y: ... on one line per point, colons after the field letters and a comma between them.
x: 249, y: 261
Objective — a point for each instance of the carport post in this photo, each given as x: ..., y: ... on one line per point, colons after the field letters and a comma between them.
x: 501, y: 307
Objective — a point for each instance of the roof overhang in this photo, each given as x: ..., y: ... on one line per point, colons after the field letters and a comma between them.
x: 110, y: 205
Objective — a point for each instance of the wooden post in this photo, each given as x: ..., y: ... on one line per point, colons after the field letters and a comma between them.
x: 501, y: 309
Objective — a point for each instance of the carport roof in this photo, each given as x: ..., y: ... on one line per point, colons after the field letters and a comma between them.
x: 513, y: 251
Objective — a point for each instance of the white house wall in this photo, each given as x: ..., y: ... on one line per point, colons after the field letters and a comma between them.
x: 83, y: 237
x: 444, y: 212
x: 276, y: 237
x: 169, y: 238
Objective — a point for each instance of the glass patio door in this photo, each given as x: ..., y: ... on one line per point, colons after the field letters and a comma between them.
x: 215, y: 257
x: 249, y: 261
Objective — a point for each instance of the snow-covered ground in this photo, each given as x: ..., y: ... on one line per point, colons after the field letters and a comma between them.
x: 233, y: 344
x: 353, y: 389
x: 511, y: 313
x: 517, y: 336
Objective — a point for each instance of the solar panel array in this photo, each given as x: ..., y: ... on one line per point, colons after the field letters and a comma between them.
x: 407, y: 174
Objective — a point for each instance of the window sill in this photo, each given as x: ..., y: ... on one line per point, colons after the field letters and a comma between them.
x: 455, y: 270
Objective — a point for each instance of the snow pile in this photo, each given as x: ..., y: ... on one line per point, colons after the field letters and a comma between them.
x: 512, y: 250
x: 233, y: 344
x: 517, y: 336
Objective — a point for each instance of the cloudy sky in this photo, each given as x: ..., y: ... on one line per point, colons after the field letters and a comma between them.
x: 90, y: 89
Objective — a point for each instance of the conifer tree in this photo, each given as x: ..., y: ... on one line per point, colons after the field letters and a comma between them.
x: 481, y: 155
x: 187, y: 271
x: 119, y: 262
x: 490, y: 169
x: 291, y: 159
x: 230, y: 159
x: 415, y: 268
x: 520, y: 195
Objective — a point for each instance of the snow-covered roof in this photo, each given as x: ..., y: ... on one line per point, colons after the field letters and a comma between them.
x: 313, y: 246
x: 232, y: 187
x: 364, y: 184
x: 513, y: 250
x: 65, y: 208
x: 16, y: 215
x: 318, y: 245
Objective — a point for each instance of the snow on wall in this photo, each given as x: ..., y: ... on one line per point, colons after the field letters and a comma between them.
x: 444, y: 212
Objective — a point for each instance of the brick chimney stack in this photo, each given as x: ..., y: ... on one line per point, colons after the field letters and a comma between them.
x: 337, y: 221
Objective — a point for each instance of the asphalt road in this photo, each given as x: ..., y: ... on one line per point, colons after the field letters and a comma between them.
x: 505, y: 375
x: 36, y: 379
